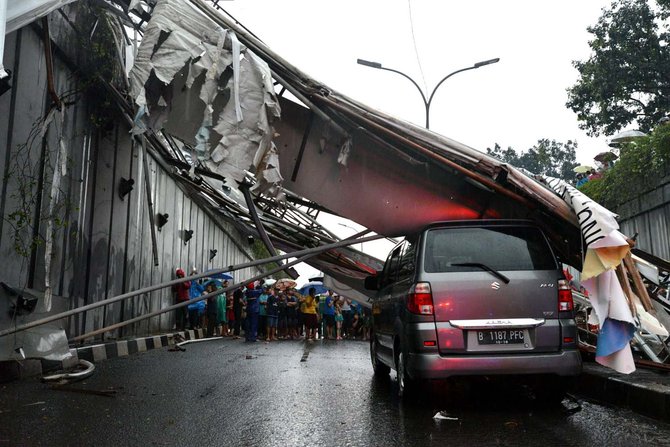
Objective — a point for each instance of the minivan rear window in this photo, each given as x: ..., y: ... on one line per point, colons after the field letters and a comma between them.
x: 500, y: 248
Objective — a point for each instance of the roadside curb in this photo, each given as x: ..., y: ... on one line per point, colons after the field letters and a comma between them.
x: 13, y: 370
x: 123, y: 348
x: 645, y: 391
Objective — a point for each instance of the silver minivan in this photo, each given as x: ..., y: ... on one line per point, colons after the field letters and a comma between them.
x: 474, y: 298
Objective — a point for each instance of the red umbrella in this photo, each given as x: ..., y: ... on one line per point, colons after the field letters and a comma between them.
x: 605, y: 157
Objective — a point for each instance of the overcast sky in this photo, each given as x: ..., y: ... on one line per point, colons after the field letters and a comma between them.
x: 513, y: 103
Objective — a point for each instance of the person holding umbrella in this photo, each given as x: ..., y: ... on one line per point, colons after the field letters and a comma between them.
x: 210, y: 287
x: 252, y: 294
x: 582, y: 172
x: 309, y: 314
x: 195, y: 309
x: 222, y: 311
x: 238, y: 308
x: 181, y: 291
x: 272, y: 314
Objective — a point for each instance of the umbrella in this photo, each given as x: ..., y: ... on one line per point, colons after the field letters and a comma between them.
x: 582, y: 169
x: 318, y: 287
x: 605, y: 157
x: 285, y: 283
x: 219, y: 275
x: 626, y: 136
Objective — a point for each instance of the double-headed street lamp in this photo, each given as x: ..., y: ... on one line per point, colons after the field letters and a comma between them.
x: 352, y: 228
x: 430, y: 99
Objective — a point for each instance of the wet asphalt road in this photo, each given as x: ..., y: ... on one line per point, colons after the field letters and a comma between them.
x: 227, y: 392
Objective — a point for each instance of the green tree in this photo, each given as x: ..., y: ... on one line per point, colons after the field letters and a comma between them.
x: 627, y: 78
x: 641, y: 167
x: 547, y: 157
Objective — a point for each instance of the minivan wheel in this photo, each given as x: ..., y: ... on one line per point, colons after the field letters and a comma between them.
x: 380, y: 369
x: 406, y: 385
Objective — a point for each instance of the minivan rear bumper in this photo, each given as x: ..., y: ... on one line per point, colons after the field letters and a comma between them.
x: 436, y: 366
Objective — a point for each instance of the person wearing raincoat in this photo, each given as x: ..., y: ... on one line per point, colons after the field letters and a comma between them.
x: 182, y: 294
x: 196, y: 310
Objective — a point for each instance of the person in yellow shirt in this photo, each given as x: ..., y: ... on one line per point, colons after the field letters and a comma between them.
x: 308, y: 305
x: 299, y: 307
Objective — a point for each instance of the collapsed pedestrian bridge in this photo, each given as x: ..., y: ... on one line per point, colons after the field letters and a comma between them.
x: 269, y: 149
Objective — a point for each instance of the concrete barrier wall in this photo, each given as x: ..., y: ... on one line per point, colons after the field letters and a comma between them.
x: 649, y: 216
x: 102, y: 244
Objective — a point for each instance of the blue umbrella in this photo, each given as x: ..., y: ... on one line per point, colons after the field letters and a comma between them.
x: 220, y: 275
x: 318, y: 287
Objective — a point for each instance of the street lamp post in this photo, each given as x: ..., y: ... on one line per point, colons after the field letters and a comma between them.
x: 426, y: 103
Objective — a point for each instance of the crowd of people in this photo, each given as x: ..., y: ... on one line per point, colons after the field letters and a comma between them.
x: 584, y: 177
x: 263, y: 312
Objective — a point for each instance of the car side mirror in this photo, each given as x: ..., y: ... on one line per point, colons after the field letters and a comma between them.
x: 372, y: 282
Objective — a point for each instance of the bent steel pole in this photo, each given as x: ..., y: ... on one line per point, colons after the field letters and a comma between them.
x: 244, y: 187
x: 300, y: 253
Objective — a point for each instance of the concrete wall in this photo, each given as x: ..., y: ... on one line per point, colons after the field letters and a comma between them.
x: 649, y: 215
x: 103, y: 247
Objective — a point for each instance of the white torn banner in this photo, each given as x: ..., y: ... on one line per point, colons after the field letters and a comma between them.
x: 201, y: 85
x: 606, y: 247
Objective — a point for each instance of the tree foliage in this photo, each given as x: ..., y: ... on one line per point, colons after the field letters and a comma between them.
x: 640, y: 167
x: 627, y: 78
x: 547, y: 157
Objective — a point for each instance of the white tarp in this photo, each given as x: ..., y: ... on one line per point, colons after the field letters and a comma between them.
x: 196, y: 81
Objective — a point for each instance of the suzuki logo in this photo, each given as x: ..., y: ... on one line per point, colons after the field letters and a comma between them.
x: 498, y: 322
x: 495, y: 285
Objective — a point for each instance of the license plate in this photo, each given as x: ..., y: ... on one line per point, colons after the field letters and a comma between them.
x: 500, y: 337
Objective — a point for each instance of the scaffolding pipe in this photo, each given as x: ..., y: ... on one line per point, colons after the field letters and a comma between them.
x: 639, y: 339
x: 300, y: 253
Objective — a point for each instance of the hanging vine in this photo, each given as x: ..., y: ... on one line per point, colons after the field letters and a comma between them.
x: 25, y: 173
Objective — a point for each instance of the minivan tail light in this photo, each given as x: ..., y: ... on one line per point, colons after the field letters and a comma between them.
x: 565, y: 303
x: 420, y: 299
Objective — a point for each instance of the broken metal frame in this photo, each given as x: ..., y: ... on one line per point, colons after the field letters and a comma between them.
x: 303, y: 222
x: 244, y: 187
x: 301, y: 253
x: 311, y: 90
x: 310, y: 228
x: 205, y: 188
